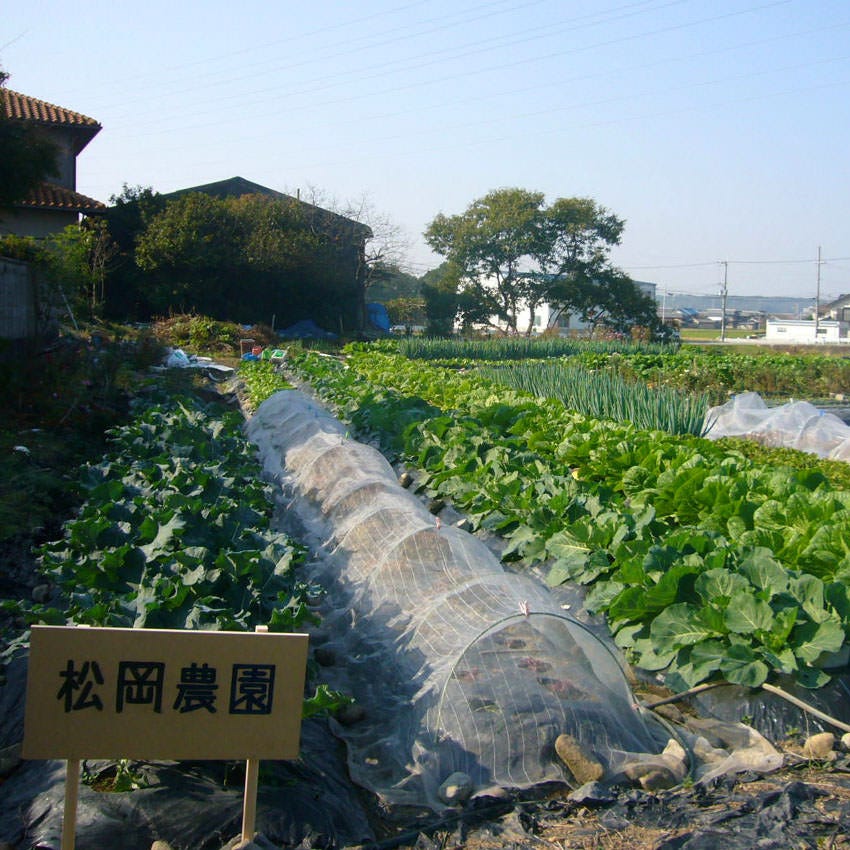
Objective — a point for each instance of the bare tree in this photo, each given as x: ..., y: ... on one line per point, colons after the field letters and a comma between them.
x: 387, y: 246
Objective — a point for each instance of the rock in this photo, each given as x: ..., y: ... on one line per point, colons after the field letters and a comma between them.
x: 456, y: 788
x: 730, y: 736
x: 159, y: 844
x: 593, y: 794
x: 494, y: 793
x: 584, y: 767
x: 325, y: 656
x: 350, y: 714
x: 748, y: 759
x: 675, y: 751
x: 405, y: 479
x: 704, y: 752
x: 436, y: 505
x: 845, y: 740
x: 820, y: 747
x: 652, y: 773
x: 676, y: 759
x: 670, y: 712
x: 613, y: 821
x: 658, y: 779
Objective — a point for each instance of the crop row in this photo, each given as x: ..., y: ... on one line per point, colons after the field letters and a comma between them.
x: 707, y: 565
x: 719, y: 373
x: 714, y: 371
x: 175, y: 533
x: 606, y: 395
x: 518, y: 348
x: 260, y: 381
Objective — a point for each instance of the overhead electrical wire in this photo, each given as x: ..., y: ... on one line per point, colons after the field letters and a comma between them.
x: 318, y: 84
x: 738, y: 262
x: 444, y: 22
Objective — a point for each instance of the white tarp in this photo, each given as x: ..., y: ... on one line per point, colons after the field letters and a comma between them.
x: 796, y: 425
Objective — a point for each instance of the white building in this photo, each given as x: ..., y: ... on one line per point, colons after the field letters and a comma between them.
x: 799, y: 331
x: 548, y: 316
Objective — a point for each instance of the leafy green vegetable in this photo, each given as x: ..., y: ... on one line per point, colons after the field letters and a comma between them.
x: 706, y: 563
x: 175, y: 533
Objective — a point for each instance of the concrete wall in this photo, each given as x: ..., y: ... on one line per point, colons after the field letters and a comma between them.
x: 17, y: 300
x: 36, y: 223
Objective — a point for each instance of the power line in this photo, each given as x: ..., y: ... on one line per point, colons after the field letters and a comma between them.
x: 432, y: 57
x: 737, y: 263
x: 456, y: 20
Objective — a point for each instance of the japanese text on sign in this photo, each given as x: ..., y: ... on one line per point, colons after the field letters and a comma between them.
x: 103, y: 693
x: 143, y: 682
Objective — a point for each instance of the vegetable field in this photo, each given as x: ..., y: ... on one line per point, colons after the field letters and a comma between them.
x: 708, y: 565
x: 175, y: 532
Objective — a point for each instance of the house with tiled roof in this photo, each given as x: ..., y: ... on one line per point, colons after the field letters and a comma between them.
x: 53, y: 204
x: 838, y: 309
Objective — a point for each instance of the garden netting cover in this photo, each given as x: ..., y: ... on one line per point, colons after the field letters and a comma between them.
x: 457, y: 664
x: 795, y: 425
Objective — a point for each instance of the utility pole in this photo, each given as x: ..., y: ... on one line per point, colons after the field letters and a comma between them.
x: 817, y: 299
x: 723, y: 293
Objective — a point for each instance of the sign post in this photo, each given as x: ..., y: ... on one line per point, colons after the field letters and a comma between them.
x: 163, y: 694
x: 252, y: 777
x: 249, y: 804
x: 69, y: 814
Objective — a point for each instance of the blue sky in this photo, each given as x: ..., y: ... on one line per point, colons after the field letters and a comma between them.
x: 718, y: 130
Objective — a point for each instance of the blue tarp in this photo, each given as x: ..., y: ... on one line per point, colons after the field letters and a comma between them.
x: 306, y: 329
x: 378, y: 316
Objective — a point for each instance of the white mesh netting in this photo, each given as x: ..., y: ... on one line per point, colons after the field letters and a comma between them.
x: 796, y: 425
x: 430, y: 632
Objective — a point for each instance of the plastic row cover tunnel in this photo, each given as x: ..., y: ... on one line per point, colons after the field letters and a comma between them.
x: 795, y: 425
x: 459, y: 665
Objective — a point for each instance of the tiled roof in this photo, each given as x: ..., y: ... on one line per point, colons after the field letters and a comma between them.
x: 25, y: 108
x: 49, y: 196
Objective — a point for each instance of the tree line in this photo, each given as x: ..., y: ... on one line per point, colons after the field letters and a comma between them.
x: 274, y: 259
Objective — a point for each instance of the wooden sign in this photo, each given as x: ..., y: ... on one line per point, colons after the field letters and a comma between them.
x: 163, y: 694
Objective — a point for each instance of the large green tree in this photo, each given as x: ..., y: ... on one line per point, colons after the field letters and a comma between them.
x: 27, y: 156
x: 253, y: 258
x: 127, y: 290
x: 510, y: 252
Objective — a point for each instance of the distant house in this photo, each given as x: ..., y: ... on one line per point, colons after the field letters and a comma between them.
x: 807, y: 332
x: 53, y: 204
x: 838, y: 309
x: 548, y: 316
